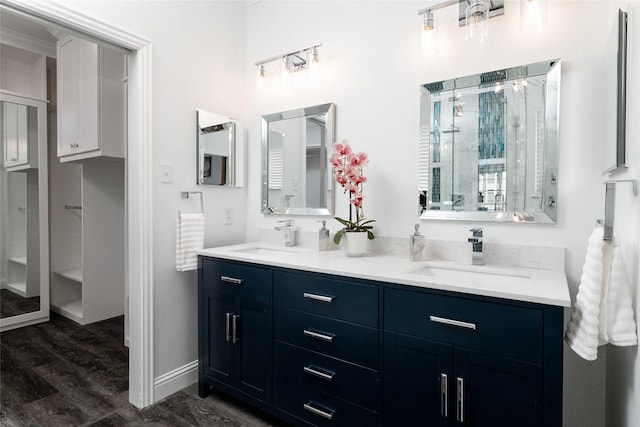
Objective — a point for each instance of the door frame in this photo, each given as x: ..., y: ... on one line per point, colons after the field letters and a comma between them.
x: 139, y: 218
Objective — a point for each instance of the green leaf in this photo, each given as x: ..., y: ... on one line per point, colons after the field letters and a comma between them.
x: 370, y: 235
x: 338, y: 237
x: 343, y: 222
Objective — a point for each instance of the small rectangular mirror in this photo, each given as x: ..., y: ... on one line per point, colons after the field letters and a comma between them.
x: 218, y: 149
x: 296, y: 175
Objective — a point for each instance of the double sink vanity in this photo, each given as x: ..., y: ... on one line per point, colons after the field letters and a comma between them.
x: 318, y: 338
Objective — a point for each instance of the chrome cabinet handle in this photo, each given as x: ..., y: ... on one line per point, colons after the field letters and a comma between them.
x: 318, y: 335
x: 234, y: 335
x: 231, y: 280
x: 328, y: 414
x: 460, y: 405
x: 228, y: 326
x: 452, y: 322
x: 444, y: 393
x: 328, y: 375
x: 323, y: 298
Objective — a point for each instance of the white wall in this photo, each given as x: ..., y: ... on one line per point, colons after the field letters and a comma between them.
x: 623, y: 364
x: 197, y: 62
x: 371, y: 68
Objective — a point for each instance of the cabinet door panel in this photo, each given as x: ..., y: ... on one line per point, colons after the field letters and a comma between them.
x: 493, y: 327
x: 242, y: 280
x: 414, y: 371
x: 499, y: 391
x: 253, y: 350
x: 218, y: 351
x: 328, y: 297
x: 348, y: 341
x: 329, y: 375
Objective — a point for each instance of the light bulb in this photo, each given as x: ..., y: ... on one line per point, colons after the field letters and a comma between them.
x: 477, y: 21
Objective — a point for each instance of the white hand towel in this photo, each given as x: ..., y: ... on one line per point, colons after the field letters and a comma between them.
x: 582, y: 330
x: 189, y: 237
x: 602, y: 312
x: 619, y: 322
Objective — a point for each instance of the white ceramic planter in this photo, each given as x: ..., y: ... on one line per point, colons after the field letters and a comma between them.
x: 355, y: 243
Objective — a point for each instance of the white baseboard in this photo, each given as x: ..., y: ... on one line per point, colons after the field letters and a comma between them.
x: 174, y: 381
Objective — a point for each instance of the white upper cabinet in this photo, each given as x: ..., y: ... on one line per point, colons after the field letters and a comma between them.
x: 91, y: 100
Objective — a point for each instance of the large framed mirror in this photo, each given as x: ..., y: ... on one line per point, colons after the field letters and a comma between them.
x: 219, y: 149
x: 488, y: 147
x: 296, y: 176
x: 24, y: 242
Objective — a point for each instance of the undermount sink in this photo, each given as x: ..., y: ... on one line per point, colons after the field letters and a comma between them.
x: 266, y: 251
x: 473, y: 274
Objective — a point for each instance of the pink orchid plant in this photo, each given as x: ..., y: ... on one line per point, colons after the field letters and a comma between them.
x: 348, y: 173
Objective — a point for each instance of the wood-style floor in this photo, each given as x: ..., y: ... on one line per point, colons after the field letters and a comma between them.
x: 61, y: 374
x: 12, y: 304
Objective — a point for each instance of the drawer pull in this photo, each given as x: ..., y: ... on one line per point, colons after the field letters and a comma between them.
x: 324, y: 412
x: 325, y: 375
x: 231, y: 280
x: 444, y: 396
x: 227, y: 326
x: 318, y: 335
x: 234, y: 335
x: 460, y: 401
x: 323, y: 298
x: 452, y: 322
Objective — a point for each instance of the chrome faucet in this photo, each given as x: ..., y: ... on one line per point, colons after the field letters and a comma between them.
x: 476, y: 246
x: 289, y: 232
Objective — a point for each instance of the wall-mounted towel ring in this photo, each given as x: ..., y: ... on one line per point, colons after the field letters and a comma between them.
x: 610, y: 203
x: 186, y: 194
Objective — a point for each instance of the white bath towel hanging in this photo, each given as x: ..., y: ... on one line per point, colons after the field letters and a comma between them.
x: 189, y: 238
x: 602, y: 312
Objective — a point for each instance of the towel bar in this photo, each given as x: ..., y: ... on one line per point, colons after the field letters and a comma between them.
x: 610, y: 203
x: 186, y: 194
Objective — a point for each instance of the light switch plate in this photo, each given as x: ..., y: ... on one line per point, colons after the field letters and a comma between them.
x: 166, y: 173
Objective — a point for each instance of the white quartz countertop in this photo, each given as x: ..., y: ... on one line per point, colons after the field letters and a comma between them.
x: 513, y: 283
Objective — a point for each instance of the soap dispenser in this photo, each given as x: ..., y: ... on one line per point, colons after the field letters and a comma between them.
x: 417, y: 245
x: 324, y: 243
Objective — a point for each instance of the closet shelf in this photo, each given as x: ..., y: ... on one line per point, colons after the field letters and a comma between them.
x: 18, y: 260
x: 75, y: 274
x: 18, y: 287
x: 71, y: 309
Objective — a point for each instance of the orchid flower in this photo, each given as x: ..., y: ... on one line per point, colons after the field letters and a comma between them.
x: 348, y: 173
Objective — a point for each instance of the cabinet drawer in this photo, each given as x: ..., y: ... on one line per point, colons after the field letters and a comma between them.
x: 327, y: 297
x: 328, y: 375
x: 244, y: 280
x: 488, y: 326
x: 353, y: 343
x: 320, y: 409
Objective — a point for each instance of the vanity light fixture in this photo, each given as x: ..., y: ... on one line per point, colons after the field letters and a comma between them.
x: 477, y: 20
x: 474, y: 14
x: 292, y: 61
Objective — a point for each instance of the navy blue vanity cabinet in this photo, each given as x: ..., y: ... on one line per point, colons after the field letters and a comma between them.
x: 327, y: 351
x: 234, y: 337
x: 461, y: 360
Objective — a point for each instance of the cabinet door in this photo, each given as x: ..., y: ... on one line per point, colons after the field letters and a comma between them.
x: 15, y: 134
x: 252, y: 350
x: 216, y: 327
x: 496, y: 391
x: 77, y: 96
x: 418, y: 383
